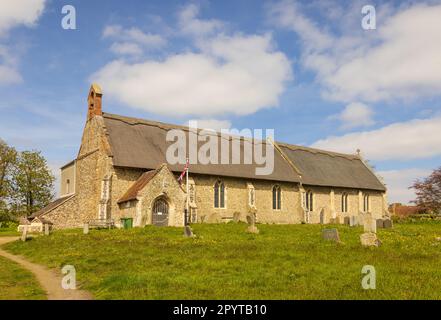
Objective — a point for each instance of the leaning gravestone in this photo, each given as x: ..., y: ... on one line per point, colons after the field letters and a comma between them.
x: 86, y: 228
x: 331, y: 234
x: 188, y: 232
x: 251, y: 219
x: 24, y: 235
x: 387, y: 223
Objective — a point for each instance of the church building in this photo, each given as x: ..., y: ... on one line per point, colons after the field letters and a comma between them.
x: 121, y: 171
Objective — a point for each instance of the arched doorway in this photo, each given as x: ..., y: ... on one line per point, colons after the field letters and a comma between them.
x: 160, y: 212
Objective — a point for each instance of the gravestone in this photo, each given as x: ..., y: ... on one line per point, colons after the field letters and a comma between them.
x: 251, y: 219
x: 24, y: 234
x: 352, y: 221
x: 322, y: 216
x: 86, y: 228
x: 380, y: 223
x: 46, y: 229
x: 331, y: 234
x: 346, y: 220
x: 369, y: 239
x: 188, y: 232
x: 236, y: 216
x: 387, y: 224
x: 369, y: 225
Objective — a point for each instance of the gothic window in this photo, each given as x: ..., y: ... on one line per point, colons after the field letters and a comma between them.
x: 344, y: 202
x: 219, y: 194
x: 366, y: 203
x: 277, y: 198
x: 309, y: 201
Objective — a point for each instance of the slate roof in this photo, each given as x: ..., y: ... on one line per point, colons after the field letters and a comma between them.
x: 142, y: 181
x: 51, y: 206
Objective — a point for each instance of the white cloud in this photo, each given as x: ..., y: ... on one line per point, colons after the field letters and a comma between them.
x: 415, y: 139
x: 400, y: 60
x: 399, y: 181
x: 355, y: 115
x: 12, y: 15
x: 229, y: 74
x: 213, y: 124
x: 189, y: 23
x: 132, y: 41
x: 19, y: 12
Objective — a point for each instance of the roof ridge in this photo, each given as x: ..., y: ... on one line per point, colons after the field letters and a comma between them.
x: 315, y: 150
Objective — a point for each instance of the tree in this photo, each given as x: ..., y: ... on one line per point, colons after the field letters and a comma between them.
x: 32, y: 183
x: 428, y: 192
x: 8, y: 158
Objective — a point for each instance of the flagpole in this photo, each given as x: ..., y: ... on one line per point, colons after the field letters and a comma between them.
x: 187, y: 202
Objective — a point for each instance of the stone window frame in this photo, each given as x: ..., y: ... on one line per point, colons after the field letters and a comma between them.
x: 309, y: 201
x: 344, y: 202
x: 366, y: 202
x: 217, y: 184
x: 276, y: 192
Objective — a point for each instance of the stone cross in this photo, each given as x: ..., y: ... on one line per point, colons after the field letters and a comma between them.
x: 331, y: 234
x: 24, y: 235
x: 86, y: 228
x: 251, y: 219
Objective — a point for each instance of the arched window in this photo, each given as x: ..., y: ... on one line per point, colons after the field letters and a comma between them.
x: 219, y: 194
x: 277, y: 198
x: 366, y: 203
x: 309, y: 201
x: 344, y: 202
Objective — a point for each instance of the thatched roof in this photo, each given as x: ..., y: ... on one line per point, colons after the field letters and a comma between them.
x: 137, y: 143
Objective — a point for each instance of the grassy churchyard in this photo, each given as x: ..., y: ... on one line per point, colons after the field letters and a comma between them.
x: 18, y: 284
x: 224, y: 262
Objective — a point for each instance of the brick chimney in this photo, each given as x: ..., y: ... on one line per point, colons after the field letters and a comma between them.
x: 94, y: 101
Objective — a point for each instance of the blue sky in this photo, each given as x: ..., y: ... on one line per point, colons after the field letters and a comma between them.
x: 307, y: 69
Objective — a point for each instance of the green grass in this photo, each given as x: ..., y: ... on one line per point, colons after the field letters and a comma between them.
x: 9, y: 229
x: 17, y: 283
x: 224, y: 262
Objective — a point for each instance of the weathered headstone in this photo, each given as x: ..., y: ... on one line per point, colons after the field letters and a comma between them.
x: 188, y: 232
x: 86, y: 228
x: 347, y: 220
x: 369, y: 225
x: 46, y: 229
x: 387, y: 223
x: 322, y: 216
x: 24, y: 234
x: 369, y: 239
x: 236, y: 216
x: 331, y: 234
x: 251, y: 219
x: 352, y: 221
x: 380, y: 223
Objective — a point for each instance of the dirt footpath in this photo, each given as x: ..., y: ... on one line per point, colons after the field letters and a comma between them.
x: 49, y: 280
